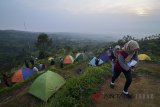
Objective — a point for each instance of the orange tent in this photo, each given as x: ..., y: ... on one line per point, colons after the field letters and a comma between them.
x: 22, y: 74
x: 68, y: 59
x: 17, y: 77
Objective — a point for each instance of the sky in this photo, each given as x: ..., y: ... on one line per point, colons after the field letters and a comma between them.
x: 119, y: 17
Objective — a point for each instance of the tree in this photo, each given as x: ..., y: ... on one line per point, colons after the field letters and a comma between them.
x: 43, y: 44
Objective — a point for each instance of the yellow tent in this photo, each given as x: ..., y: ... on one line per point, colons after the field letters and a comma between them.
x: 143, y: 57
x: 50, y: 58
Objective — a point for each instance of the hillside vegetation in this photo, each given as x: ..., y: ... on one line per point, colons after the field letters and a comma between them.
x: 87, y: 89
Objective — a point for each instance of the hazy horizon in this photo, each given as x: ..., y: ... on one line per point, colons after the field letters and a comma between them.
x: 119, y: 17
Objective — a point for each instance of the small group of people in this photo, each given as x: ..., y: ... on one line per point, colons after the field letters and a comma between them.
x: 52, y: 62
x: 39, y: 67
x: 31, y: 64
x: 120, y: 58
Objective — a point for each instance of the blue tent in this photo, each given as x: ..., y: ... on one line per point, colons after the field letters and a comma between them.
x: 26, y: 72
x: 104, y: 56
x: 92, y: 62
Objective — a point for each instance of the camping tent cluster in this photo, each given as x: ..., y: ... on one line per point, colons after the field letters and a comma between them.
x: 79, y: 57
x: 44, y: 86
x: 49, y: 82
x: 22, y: 74
x: 103, y: 58
x: 69, y: 59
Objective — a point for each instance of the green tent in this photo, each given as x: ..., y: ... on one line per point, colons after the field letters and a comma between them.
x: 80, y: 57
x: 46, y: 84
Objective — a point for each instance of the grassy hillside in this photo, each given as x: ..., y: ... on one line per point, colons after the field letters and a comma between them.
x: 79, y: 88
x: 95, y: 79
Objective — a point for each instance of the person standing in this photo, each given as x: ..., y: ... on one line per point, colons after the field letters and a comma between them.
x: 52, y: 62
x: 113, y: 56
x: 32, y: 61
x: 96, y: 61
x: 129, y: 51
x: 61, y: 62
x: 26, y: 64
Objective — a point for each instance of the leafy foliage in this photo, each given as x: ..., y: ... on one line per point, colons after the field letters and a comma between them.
x: 14, y: 48
x: 77, y: 91
x: 43, y: 44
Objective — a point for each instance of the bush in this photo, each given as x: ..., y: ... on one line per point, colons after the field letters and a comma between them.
x: 78, y: 89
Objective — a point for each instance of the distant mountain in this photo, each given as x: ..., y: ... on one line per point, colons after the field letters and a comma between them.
x: 15, y: 45
x: 83, y: 36
x: 59, y: 35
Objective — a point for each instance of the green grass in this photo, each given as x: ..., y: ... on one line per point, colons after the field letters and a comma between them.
x: 78, y: 89
x: 76, y: 92
x: 148, y: 71
x: 155, y: 58
x: 71, y: 66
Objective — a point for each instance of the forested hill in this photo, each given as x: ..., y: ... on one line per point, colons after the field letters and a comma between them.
x: 12, y: 45
x: 15, y: 45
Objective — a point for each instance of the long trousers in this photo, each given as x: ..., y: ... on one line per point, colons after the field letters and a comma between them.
x: 128, y: 77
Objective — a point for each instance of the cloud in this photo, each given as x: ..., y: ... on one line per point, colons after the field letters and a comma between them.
x: 80, y: 7
x: 139, y: 7
x: 81, y: 15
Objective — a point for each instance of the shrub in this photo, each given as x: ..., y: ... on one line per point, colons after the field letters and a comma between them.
x: 78, y: 89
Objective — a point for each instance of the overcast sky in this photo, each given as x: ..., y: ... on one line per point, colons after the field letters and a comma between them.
x: 136, y: 17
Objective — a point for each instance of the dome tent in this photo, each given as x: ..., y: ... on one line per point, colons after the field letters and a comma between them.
x: 104, y: 56
x: 92, y: 62
x: 50, y: 58
x: 80, y: 57
x: 68, y: 59
x: 46, y: 85
x: 143, y: 57
x: 22, y: 74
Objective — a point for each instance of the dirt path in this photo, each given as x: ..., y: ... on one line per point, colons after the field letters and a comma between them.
x: 145, y: 90
x: 8, y: 97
